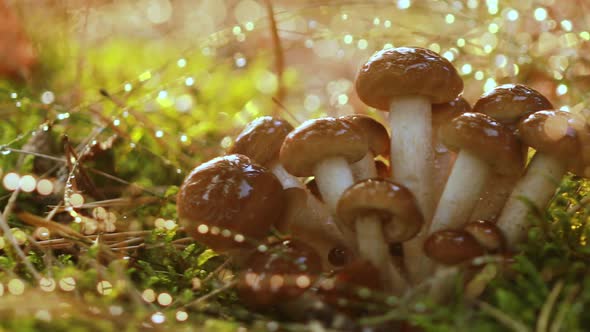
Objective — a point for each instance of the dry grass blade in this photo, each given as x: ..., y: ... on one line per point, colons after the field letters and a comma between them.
x: 547, y: 308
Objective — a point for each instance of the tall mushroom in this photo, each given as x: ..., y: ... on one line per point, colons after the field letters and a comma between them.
x: 229, y: 203
x: 405, y: 81
x: 379, y: 145
x: 261, y: 140
x: 369, y: 207
x: 325, y: 148
x: 507, y: 104
x: 559, y: 138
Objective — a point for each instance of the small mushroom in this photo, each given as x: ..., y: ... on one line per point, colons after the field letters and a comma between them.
x: 487, y: 234
x: 378, y: 140
x: 230, y: 203
x: 449, y: 248
x: 278, y: 275
x: 349, y: 288
x: 508, y: 104
x: 405, y: 81
x: 324, y: 148
x: 261, y: 140
x: 383, y: 170
x: 560, y: 138
x: 309, y: 220
x: 370, y: 207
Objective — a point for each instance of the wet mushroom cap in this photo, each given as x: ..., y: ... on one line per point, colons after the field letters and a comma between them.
x: 318, y: 139
x: 486, y: 138
x: 228, y: 202
x: 385, y: 199
x: 378, y: 138
x: 443, y: 113
x: 281, y: 273
x: 261, y: 139
x: 487, y: 234
x: 405, y: 71
x: 556, y: 133
x: 452, y: 247
x: 345, y: 285
x: 508, y: 103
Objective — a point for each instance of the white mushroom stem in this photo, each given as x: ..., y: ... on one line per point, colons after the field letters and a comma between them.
x: 443, y: 164
x: 537, y: 186
x: 456, y: 204
x: 461, y: 193
x: 374, y: 248
x: 410, y: 121
x: 333, y: 176
x: 287, y: 179
x: 494, y: 197
x: 364, y: 168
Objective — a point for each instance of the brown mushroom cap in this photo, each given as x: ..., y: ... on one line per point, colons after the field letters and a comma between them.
x: 281, y: 273
x: 377, y: 136
x: 443, y: 113
x: 452, y: 247
x: 261, y: 139
x: 406, y: 71
x: 226, y: 197
x: 318, y: 139
x: 385, y: 199
x: 484, y: 137
x: 509, y: 103
x: 487, y: 234
x: 343, y: 288
x: 553, y: 132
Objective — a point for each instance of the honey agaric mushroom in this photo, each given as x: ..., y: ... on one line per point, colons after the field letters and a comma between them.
x: 559, y: 138
x: 507, y: 104
x: 378, y: 140
x: 443, y: 156
x: 405, y: 81
x: 309, y: 220
x: 370, y: 207
x: 487, y: 234
x: 261, y: 140
x: 451, y: 247
x: 344, y: 289
x: 230, y: 202
x: 324, y: 148
x: 483, y: 144
x: 278, y: 275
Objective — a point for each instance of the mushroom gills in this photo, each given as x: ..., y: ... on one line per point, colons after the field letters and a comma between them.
x: 537, y: 186
x: 373, y: 247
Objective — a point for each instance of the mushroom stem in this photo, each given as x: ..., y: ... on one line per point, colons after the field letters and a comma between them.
x: 537, y: 186
x: 461, y: 193
x: 333, y: 176
x: 456, y: 204
x: 411, y: 143
x: 443, y: 164
x: 373, y: 247
x: 364, y: 168
x: 493, y: 199
x: 286, y: 178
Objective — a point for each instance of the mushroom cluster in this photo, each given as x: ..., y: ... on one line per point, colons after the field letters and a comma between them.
x: 300, y: 208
